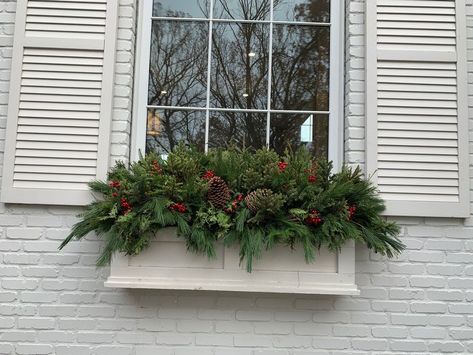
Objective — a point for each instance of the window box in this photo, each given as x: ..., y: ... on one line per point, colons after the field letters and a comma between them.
x: 168, y: 265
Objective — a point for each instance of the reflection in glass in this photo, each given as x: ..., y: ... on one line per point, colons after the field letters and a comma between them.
x: 302, y: 10
x: 242, y: 9
x: 181, y: 8
x: 240, y: 129
x: 167, y: 128
x: 239, y: 74
x: 300, y: 70
x: 178, y: 64
x: 296, y: 130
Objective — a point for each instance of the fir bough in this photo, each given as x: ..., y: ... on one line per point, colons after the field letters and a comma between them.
x: 264, y: 200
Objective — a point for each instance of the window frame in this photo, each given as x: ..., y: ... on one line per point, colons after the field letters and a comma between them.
x: 336, y: 81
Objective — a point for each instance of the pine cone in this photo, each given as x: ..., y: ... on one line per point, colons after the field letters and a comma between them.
x: 263, y: 199
x: 219, y: 193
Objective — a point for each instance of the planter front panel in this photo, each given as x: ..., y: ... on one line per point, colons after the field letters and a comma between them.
x: 168, y: 265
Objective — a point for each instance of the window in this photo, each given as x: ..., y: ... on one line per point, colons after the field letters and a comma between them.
x: 250, y: 73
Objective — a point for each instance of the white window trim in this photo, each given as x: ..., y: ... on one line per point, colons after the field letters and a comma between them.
x: 336, y: 93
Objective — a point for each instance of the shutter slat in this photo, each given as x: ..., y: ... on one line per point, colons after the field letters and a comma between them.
x: 418, y: 150
x: 26, y: 162
x: 409, y: 157
x: 50, y: 169
x: 400, y: 165
x: 433, y: 127
x: 393, y: 181
x: 61, y: 98
x: 39, y: 154
x: 51, y: 122
x: 51, y: 186
x: 419, y: 174
x: 421, y: 189
x: 413, y: 142
x: 53, y: 177
x: 58, y: 130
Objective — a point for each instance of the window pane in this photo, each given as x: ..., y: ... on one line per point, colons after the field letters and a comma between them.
x: 300, y: 68
x: 302, y: 10
x: 166, y: 129
x: 242, y: 129
x: 178, y: 64
x: 296, y: 130
x: 242, y: 9
x: 239, y: 66
x: 181, y: 8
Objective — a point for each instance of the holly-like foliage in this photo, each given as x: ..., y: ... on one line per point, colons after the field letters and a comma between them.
x: 262, y: 200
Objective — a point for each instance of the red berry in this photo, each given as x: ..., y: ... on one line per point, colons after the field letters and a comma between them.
x: 312, y: 178
x: 314, y: 218
x: 179, y: 207
x: 209, y: 174
x: 282, y: 165
x: 114, y: 184
x: 351, y: 211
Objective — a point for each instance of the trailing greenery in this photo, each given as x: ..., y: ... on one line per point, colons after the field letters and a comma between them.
x: 256, y: 200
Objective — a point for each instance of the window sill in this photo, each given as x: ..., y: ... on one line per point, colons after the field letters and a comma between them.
x: 167, y: 265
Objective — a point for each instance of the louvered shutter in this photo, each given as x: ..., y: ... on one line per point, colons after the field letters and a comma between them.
x: 417, y: 119
x: 59, y: 114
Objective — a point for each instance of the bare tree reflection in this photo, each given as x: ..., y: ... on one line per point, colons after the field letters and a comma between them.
x: 239, y: 74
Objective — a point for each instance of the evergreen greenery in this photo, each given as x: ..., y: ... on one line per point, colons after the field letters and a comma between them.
x: 291, y: 200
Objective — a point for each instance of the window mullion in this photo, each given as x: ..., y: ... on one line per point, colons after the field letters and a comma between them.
x: 270, y: 71
x: 209, y: 77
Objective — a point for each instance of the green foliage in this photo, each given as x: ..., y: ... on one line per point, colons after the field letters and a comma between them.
x: 291, y: 200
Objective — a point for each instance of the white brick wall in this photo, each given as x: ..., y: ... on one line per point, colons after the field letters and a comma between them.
x: 54, y: 302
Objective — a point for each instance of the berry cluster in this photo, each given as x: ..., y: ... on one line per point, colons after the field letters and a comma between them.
x: 312, y: 179
x: 314, y: 218
x: 235, y: 203
x: 282, y: 165
x: 179, y: 207
x: 208, y: 175
x: 125, y: 205
x: 351, y: 211
x: 114, y: 184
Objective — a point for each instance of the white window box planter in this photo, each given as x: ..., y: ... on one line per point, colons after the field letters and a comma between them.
x: 168, y: 265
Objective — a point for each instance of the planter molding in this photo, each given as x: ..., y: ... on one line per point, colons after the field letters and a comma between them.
x: 168, y: 265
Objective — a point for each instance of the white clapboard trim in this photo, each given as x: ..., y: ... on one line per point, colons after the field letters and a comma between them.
x: 417, y: 123
x: 60, y: 105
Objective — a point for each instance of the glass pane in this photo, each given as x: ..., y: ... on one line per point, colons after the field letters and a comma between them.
x: 300, y: 70
x: 181, y: 8
x: 296, y: 130
x: 166, y: 129
x: 242, y: 9
x: 239, y: 74
x: 178, y: 64
x: 241, y: 129
x: 302, y: 10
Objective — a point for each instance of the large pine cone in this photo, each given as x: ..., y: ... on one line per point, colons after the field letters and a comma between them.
x: 263, y: 199
x: 219, y: 193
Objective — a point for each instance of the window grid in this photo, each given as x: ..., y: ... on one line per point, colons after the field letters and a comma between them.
x: 268, y: 110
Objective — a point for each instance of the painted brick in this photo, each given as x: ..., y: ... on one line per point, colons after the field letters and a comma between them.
x: 408, y: 345
x: 430, y: 307
x: 36, y: 349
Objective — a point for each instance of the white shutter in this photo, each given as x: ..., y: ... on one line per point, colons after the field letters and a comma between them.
x: 59, y: 114
x: 416, y: 106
